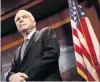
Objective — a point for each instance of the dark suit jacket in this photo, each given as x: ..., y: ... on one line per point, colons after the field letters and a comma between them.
x: 40, y: 60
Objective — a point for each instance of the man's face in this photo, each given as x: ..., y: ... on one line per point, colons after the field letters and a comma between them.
x: 24, y: 23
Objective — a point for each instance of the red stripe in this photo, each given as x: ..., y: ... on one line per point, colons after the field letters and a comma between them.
x: 80, y: 66
x: 74, y: 32
x: 88, y: 39
x: 77, y: 49
x: 83, y: 49
x: 86, y: 54
x: 85, y: 71
x: 90, y: 78
x: 90, y: 46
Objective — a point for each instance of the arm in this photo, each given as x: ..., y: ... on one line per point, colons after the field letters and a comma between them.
x: 13, y: 75
x: 12, y: 70
x: 49, y: 61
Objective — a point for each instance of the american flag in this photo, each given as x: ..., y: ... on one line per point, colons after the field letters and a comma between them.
x: 86, y: 45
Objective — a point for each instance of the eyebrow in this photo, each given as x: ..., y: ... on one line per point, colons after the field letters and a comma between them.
x: 17, y: 18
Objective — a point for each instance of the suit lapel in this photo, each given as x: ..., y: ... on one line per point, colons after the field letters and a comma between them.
x: 18, y: 57
x: 29, y: 43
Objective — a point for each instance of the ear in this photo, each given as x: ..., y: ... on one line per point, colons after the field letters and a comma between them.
x: 34, y: 23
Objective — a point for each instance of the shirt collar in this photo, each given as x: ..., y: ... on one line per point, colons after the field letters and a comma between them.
x: 30, y: 34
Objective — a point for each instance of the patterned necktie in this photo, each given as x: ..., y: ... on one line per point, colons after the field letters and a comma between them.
x: 23, y: 48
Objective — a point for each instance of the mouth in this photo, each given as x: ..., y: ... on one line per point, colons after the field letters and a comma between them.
x: 22, y: 25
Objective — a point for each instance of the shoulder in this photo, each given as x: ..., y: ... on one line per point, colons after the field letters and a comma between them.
x: 46, y: 29
x: 48, y: 32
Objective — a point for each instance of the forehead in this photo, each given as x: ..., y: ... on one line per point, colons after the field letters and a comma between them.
x: 21, y: 13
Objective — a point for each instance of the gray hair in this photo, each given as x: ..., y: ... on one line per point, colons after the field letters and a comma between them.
x: 26, y: 13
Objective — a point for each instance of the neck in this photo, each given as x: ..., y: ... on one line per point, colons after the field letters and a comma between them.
x: 25, y: 33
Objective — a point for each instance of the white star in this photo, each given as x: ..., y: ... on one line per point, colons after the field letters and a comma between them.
x: 70, y: 5
x: 69, y: 1
x: 79, y: 6
x: 74, y: 8
x: 74, y: 13
x: 74, y: 18
x: 83, y: 13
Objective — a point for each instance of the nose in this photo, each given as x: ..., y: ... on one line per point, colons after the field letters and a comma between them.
x: 21, y: 20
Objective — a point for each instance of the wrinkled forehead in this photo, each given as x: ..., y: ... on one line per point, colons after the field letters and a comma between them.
x: 24, y: 13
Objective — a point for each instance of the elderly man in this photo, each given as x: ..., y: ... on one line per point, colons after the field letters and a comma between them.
x: 37, y: 57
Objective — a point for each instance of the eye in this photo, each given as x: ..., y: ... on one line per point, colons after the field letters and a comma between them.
x: 17, y: 19
x: 25, y: 16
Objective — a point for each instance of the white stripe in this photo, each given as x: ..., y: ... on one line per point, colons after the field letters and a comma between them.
x: 79, y: 59
x: 93, y: 38
x: 90, y: 69
x: 73, y: 24
x: 76, y: 41
x: 82, y: 40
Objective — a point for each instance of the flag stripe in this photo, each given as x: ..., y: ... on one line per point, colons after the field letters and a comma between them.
x: 94, y: 40
x: 90, y: 69
x: 76, y: 41
x: 85, y: 43
x: 74, y: 32
x: 86, y: 53
x: 91, y: 47
x: 79, y: 59
x: 86, y: 72
x: 84, y: 49
x: 88, y: 39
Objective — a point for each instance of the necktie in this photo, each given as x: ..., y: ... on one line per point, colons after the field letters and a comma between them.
x: 23, y: 48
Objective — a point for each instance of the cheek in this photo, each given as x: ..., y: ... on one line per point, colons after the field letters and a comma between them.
x: 30, y: 24
x: 34, y: 24
x: 17, y: 24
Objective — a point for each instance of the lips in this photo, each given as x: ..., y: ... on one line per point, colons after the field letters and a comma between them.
x: 22, y: 25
